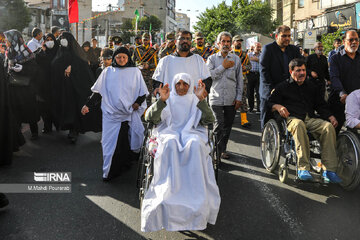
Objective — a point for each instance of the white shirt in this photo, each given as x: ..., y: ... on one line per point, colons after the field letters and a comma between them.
x: 34, y: 44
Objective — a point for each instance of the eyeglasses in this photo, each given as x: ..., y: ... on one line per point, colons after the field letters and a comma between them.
x: 184, y: 39
x: 352, y: 40
x: 106, y: 58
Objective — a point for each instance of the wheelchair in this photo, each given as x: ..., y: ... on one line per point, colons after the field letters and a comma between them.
x: 278, y: 150
x: 348, y: 152
x: 145, y: 171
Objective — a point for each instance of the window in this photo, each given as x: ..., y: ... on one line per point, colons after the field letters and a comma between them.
x: 62, y: 4
x: 301, y: 3
x: 55, y: 3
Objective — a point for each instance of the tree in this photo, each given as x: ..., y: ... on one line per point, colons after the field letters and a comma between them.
x: 254, y: 16
x: 127, y: 30
x: 215, y: 20
x: 328, y: 40
x: 14, y: 15
x: 243, y: 16
x: 144, y: 24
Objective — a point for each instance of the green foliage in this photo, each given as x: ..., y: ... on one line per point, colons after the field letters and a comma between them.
x: 144, y: 24
x: 328, y: 40
x: 242, y: 16
x: 14, y: 15
x: 125, y: 30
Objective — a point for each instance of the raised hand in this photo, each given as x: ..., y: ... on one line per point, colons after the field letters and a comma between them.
x: 164, y: 92
x: 200, y: 91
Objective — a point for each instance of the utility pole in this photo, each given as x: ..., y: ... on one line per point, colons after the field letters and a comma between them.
x: 107, y: 24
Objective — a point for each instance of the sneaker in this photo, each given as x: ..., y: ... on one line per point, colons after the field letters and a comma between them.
x: 304, y: 175
x: 246, y: 125
x: 330, y: 176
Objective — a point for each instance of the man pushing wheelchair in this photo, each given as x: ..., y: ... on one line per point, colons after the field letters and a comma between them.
x: 296, y: 100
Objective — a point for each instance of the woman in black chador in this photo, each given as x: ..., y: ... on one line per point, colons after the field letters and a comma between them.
x: 72, y: 80
x: 44, y: 58
x: 22, y: 71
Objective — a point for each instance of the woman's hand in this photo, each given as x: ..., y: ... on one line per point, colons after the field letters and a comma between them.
x: 200, y: 91
x: 84, y: 110
x: 164, y: 92
x: 135, y: 106
x: 68, y: 71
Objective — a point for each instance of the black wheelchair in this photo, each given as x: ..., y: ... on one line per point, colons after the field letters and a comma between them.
x: 278, y: 150
x: 145, y: 170
x: 348, y: 151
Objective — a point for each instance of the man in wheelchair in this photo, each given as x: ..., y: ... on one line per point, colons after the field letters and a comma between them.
x: 296, y: 100
x: 183, y: 194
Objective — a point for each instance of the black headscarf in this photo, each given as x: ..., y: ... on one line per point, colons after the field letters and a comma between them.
x: 18, y: 51
x: 52, y: 51
x: 73, y: 47
x: 130, y: 63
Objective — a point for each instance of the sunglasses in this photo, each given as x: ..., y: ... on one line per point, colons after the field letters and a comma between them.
x: 352, y: 40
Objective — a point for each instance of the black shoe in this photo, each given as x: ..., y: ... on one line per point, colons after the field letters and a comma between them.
x: 46, y: 130
x: 3, y: 200
x: 246, y: 125
x: 106, y: 179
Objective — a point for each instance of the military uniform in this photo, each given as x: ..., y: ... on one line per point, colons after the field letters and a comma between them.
x: 146, y: 54
x: 164, y: 51
x: 245, y: 62
x: 204, y: 52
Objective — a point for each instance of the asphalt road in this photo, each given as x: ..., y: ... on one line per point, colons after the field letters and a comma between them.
x: 254, y: 204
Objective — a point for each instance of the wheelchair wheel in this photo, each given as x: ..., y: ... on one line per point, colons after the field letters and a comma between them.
x: 348, y: 147
x: 270, y: 145
x: 283, y: 173
x: 215, y: 156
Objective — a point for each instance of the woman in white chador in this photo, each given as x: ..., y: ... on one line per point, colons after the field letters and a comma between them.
x: 123, y: 91
x: 183, y: 194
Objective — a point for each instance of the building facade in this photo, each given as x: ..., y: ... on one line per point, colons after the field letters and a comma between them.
x: 183, y: 21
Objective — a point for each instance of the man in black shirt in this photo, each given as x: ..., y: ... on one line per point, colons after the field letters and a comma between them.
x: 296, y: 100
x: 317, y: 68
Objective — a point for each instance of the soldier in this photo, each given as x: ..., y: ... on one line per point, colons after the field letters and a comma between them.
x: 110, y: 43
x: 138, y: 41
x: 200, y: 48
x: 246, y: 67
x: 117, y: 42
x: 169, y: 46
x: 145, y: 58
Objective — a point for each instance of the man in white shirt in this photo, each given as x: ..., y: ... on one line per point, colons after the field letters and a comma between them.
x: 35, y: 43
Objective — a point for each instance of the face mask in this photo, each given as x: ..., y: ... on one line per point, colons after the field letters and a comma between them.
x: 50, y: 44
x: 64, y: 42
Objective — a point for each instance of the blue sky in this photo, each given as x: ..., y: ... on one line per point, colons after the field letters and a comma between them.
x: 191, y: 7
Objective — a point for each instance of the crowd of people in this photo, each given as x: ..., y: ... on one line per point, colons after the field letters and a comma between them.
x: 182, y: 86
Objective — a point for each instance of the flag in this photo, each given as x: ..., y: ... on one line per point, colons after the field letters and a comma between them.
x: 73, y: 11
x: 162, y: 38
x: 137, y: 19
x: 150, y: 36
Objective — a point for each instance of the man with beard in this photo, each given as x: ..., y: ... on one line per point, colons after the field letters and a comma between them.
x: 138, y: 41
x: 169, y: 46
x: 344, y: 76
x: 145, y: 58
x: 317, y: 68
x: 200, y: 48
x: 181, y: 61
x: 296, y: 99
x: 274, y: 67
x: 246, y: 67
x: 227, y: 89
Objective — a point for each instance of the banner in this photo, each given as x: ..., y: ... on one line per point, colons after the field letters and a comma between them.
x: 73, y: 11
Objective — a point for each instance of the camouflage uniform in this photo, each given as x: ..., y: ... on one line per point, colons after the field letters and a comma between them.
x: 204, y: 52
x: 146, y: 54
x: 164, y: 51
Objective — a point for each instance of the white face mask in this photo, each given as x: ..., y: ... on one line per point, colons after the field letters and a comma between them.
x: 64, y: 42
x: 50, y: 44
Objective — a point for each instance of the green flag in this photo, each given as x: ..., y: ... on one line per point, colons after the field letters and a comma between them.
x: 137, y: 15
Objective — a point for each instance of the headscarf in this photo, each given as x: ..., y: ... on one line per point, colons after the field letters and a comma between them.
x: 18, y: 52
x: 53, y: 50
x: 130, y: 63
x: 73, y: 46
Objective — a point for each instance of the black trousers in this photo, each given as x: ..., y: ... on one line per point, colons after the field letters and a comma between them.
x: 224, y: 118
x: 337, y: 109
x: 253, y: 88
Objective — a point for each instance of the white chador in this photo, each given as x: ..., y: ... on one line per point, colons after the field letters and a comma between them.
x: 171, y: 65
x: 183, y: 194
x: 119, y: 88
